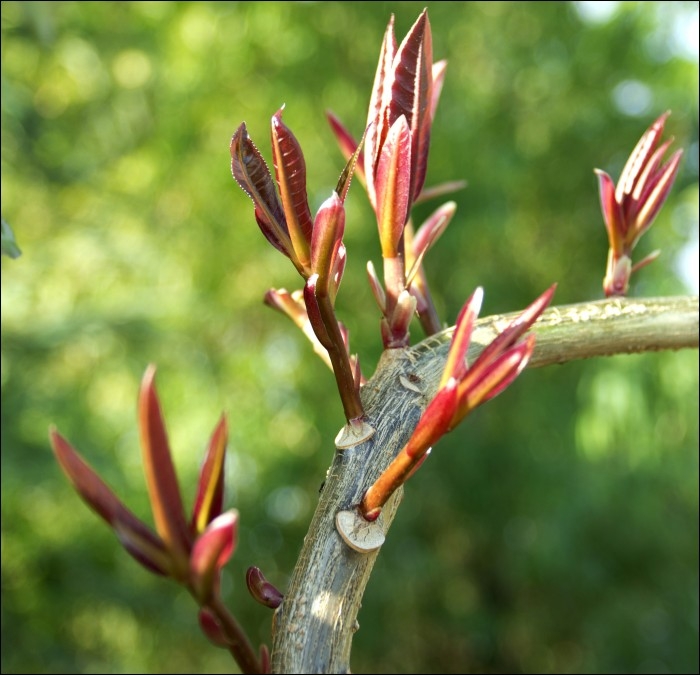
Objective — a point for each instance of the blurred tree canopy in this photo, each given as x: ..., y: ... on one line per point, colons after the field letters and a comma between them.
x: 555, y: 531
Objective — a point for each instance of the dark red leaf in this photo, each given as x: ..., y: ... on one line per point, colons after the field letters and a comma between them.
x: 261, y: 589
x: 411, y: 93
x: 251, y: 173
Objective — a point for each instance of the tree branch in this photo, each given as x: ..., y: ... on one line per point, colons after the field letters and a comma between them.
x: 314, y: 626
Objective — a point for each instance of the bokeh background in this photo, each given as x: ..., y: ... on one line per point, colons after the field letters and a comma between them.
x: 555, y: 531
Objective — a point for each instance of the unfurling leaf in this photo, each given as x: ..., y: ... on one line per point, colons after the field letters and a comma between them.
x: 262, y: 590
x: 630, y: 208
x: 329, y: 227
x: 211, y: 551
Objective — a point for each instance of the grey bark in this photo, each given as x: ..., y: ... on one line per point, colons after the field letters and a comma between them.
x: 314, y: 626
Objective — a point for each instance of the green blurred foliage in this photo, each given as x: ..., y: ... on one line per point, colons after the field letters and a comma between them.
x: 555, y: 531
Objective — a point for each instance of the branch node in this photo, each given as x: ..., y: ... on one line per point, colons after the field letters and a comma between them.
x: 353, y: 433
x: 359, y: 534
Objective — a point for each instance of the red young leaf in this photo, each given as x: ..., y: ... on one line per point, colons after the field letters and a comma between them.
x: 251, y: 173
x: 460, y: 390
x: 455, y: 365
x: 433, y: 227
x: 431, y: 426
x: 287, y: 303
x: 484, y: 383
x: 439, y: 190
x: 646, y: 260
x: 428, y: 233
x: 400, y: 319
x: 376, y: 122
x: 338, y: 261
x: 290, y: 170
x: 138, y: 539
x: 639, y: 157
x: 164, y: 491
x: 434, y: 422
x: 210, y: 486
x: 292, y: 304
x: 411, y: 94
x: 154, y: 558
x: 656, y: 191
x: 329, y: 227
x: 516, y: 328
x: 261, y: 589
x: 649, y: 173
x: 630, y: 208
x: 264, y: 659
x: 417, y: 282
x: 393, y: 185
x: 612, y: 210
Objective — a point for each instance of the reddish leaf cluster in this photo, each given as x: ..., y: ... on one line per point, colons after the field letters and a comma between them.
x: 192, y: 552
x: 630, y: 208
x: 392, y: 168
x: 405, y: 94
x: 461, y: 389
x: 314, y: 245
